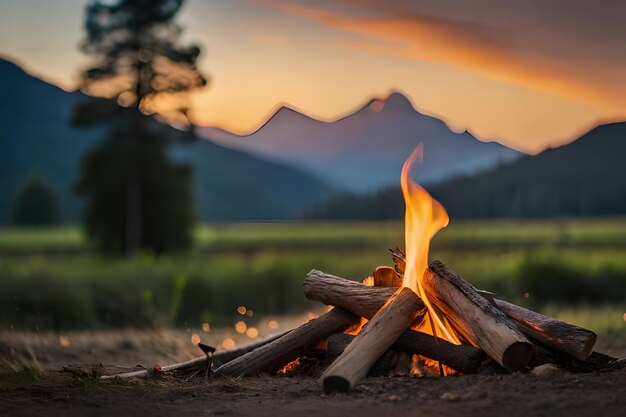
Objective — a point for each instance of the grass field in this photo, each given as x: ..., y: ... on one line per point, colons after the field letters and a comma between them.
x: 50, y: 279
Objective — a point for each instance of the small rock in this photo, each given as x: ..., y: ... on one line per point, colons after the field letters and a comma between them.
x: 450, y: 396
x: 548, y: 370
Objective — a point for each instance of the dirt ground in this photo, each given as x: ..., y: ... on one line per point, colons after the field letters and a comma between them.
x: 33, y: 392
x: 598, y: 394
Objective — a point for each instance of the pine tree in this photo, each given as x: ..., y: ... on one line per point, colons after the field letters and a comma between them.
x: 137, y: 198
x: 36, y: 204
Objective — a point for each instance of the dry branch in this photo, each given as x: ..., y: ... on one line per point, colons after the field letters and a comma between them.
x: 475, y: 318
x: 219, y: 357
x: 276, y: 354
x: 374, y: 339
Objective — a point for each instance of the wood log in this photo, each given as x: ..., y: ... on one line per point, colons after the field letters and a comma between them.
x: 276, y: 354
x: 353, y: 296
x: 559, y: 335
x: 554, y: 333
x: 366, y: 301
x: 475, y: 318
x: 463, y: 358
x: 373, y: 341
x: 597, y: 361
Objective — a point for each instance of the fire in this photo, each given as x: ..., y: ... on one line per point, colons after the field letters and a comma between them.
x: 424, y: 217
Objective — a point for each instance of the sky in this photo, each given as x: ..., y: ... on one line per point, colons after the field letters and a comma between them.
x: 529, y: 74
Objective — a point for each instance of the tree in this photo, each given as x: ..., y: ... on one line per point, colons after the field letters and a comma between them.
x: 137, y: 198
x: 36, y: 204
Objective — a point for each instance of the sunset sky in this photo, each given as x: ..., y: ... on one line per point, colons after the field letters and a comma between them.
x: 529, y: 73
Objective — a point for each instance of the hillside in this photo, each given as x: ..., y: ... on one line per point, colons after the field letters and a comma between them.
x: 36, y: 136
x: 584, y: 178
x: 366, y: 150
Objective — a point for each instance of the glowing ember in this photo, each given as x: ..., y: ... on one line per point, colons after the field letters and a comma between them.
x: 252, y: 332
x: 424, y: 217
x: 356, y: 327
x: 64, y: 341
x: 228, y: 343
x: 241, y: 310
x: 206, y: 327
x: 240, y: 327
x: 195, y: 339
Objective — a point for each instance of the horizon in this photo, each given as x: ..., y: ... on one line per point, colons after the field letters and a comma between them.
x: 352, y: 55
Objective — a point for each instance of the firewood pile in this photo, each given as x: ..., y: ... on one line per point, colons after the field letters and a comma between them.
x: 492, y: 335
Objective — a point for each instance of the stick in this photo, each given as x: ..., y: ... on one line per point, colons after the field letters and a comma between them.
x: 283, y: 350
x: 475, y: 318
x: 220, y: 357
x: 559, y: 335
x: 373, y: 340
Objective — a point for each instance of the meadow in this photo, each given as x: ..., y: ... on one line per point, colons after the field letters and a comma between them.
x: 51, y: 279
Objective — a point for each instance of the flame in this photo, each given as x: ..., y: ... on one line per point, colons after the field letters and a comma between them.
x: 424, y: 217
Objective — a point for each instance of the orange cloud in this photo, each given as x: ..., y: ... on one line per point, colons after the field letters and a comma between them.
x: 493, y: 42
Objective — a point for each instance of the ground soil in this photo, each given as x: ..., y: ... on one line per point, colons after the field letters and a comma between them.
x: 76, y: 390
x: 597, y: 394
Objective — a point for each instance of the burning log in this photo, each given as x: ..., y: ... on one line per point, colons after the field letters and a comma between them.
x: 475, y: 318
x: 375, y: 338
x: 274, y: 355
x: 463, y: 358
x: 353, y: 296
x: 366, y: 301
x: 554, y: 333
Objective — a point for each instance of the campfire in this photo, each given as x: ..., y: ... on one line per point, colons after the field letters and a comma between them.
x: 424, y: 312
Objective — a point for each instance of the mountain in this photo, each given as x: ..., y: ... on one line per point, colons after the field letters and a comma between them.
x: 365, y: 150
x: 36, y: 136
x: 584, y: 178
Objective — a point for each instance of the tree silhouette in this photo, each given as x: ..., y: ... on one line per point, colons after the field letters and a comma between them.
x: 36, y: 204
x: 137, y: 198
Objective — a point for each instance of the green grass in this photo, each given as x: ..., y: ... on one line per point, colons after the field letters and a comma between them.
x: 51, y: 279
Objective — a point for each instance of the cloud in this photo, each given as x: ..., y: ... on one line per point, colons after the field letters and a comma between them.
x: 571, y: 48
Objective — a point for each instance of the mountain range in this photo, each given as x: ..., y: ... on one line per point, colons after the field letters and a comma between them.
x: 36, y: 136
x: 365, y: 150
x: 585, y: 178
x: 296, y: 166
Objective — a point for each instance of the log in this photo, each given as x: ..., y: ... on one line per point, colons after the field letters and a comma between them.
x: 463, y: 358
x: 554, y: 333
x: 373, y: 341
x: 274, y: 355
x: 597, y: 361
x: 475, y: 318
x: 366, y: 301
x: 559, y: 335
x: 353, y: 296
